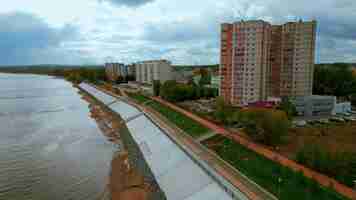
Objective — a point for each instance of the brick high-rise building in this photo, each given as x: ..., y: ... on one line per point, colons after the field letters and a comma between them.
x: 244, y: 69
x: 292, y: 60
x: 259, y: 60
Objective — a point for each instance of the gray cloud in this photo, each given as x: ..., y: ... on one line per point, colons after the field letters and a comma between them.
x: 336, y: 26
x: 199, y: 37
x: 178, y: 32
x: 128, y: 3
x: 192, y: 40
x: 27, y: 39
x: 182, y: 35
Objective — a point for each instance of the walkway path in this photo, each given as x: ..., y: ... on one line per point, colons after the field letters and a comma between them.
x: 227, y: 172
x: 222, y: 169
x: 322, y: 179
x: 206, y: 136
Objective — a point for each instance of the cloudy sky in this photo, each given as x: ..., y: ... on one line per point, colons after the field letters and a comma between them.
x: 184, y: 31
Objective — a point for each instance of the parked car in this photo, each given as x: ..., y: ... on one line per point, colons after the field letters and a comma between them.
x: 311, y: 122
x: 324, y: 121
x: 347, y: 114
x: 300, y: 123
x: 337, y: 119
x: 349, y: 119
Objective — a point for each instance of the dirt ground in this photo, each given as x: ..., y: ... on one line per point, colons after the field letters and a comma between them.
x: 340, y: 137
x: 125, y: 183
x: 334, y: 138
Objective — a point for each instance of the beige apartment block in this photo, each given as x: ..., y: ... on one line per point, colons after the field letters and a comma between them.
x: 259, y: 60
x: 293, y: 62
x: 115, y: 70
x: 148, y: 71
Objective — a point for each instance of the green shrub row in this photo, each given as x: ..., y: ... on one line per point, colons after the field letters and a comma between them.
x: 176, y: 92
x: 138, y: 97
x: 279, y: 180
x: 188, y: 125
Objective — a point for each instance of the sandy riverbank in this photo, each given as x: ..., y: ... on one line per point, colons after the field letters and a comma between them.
x: 125, y: 183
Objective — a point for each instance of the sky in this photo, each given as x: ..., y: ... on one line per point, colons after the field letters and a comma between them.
x: 183, y: 31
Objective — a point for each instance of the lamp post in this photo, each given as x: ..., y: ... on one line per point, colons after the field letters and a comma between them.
x: 279, y: 186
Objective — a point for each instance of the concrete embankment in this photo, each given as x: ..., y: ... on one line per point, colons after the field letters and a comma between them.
x: 176, y: 172
x: 124, y: 182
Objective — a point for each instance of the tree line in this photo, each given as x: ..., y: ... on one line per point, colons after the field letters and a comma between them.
x: 268, y: 126
x: 177, y: 92
x: 71, y: 73
x: 336, y: 79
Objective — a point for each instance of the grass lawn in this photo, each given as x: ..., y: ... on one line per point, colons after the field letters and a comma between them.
x: 188, y: 125
x: 281, y: 181
x: 138, y: 97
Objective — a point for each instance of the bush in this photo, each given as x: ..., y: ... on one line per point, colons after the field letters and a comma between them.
x: 275, y: 126
x: 341, y: 166
x: 209, y: 92
x: 288, y: 107
x: 265, y: 125
x: 167, y: 91
x: 138, y: 97
x: 176, y: 92
x: 223, y: 112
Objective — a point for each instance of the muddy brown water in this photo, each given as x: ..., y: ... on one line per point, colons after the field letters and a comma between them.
x: 50, y: 147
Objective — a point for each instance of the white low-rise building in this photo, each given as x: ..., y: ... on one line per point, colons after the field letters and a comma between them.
x: 317, y: 105
x: 148, y: 71
x: 342, y: 108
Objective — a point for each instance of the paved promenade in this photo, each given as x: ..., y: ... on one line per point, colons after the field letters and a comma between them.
x: 227, y: 173
x: 247, y: 187
x: 322, y: 179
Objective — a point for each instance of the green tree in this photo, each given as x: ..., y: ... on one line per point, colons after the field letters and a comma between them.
x: 120, y: 79
x: 156, y: 87
x: 205, y: 77
x: 197, y: 91
x: 223, y: 110
x: 265, y: 125
x: 334, y: 79
x: 288, y: 107
x: 168, y: 91
x: 275, y: 125
x: 353, y: 99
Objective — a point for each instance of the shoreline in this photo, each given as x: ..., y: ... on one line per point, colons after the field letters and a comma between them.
x: 124, y: 182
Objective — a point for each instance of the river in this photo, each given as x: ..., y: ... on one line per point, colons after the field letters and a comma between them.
x: 50, y: 148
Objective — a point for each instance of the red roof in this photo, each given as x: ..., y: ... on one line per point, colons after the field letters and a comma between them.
x: 262, y: 104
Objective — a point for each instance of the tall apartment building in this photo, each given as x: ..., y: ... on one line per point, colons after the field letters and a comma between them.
x: 131, y: 70
x: 245, y: 61
x: 259, y: 60
x: 115, y: 70
x: 292, y: 60
x: 148, y: 71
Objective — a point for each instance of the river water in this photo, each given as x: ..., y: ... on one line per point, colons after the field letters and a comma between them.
x: 50, y: 148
